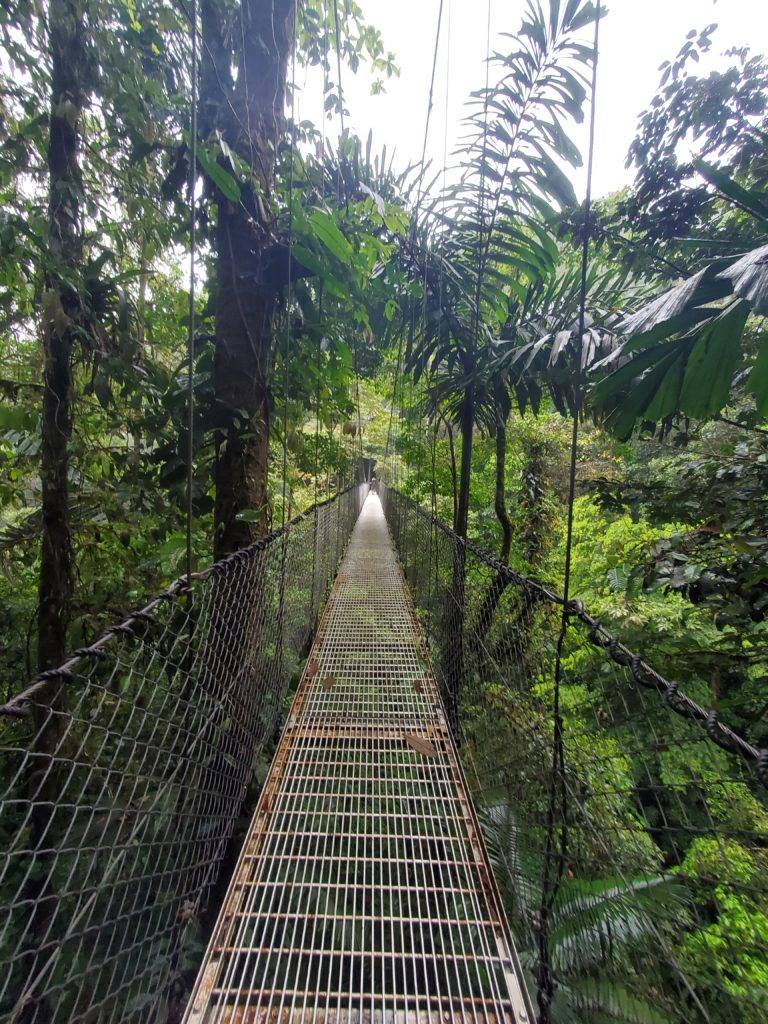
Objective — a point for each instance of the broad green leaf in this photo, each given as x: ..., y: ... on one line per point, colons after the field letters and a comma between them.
x: 309, y: 260
x: 695, y: 291
x: 607, y: 387
x: 13, y: 417
x: 225, y: 183
x: 749, y: 278
x: 676, y: 325
x: 330, y: 236
x: 314, y: 263
x: 666, y: 399
x: 712, y: 362
x: 751, y: 200
x: 757, y: 384
x: 631, y: 408
x: 378, y: 201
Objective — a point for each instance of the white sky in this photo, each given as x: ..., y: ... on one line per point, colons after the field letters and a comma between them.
x: 635, y: 37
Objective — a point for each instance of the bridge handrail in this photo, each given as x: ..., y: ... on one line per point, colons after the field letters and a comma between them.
x: 640, y: 670
x: 125, y: 769
x: 18, y: 705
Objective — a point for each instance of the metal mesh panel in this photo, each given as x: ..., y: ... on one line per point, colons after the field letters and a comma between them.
x: 660, y: 815
x: 127, y: 769
x: 363, y: 892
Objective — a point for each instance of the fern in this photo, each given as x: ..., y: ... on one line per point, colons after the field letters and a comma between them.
x: 597, y: 926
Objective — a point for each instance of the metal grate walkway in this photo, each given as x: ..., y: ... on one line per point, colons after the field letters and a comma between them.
x: 363, y: 893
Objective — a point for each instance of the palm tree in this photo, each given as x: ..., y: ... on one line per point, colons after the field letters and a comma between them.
x: 539, y: 354
x: 540, y: 350
x: 491, y: 235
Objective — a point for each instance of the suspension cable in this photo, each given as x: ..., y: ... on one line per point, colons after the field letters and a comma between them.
x: 289, y: 287
x: 440, y: 297
x: 316, y: 464
x: 191, y: 309
x: 550, y: 886
x: 429, y: 113
x: 423, y: 314
x: 398, y: 365
x: 338, y: 61
x: 319, y: 326
x: 357, y: 395
x: 481, y: 195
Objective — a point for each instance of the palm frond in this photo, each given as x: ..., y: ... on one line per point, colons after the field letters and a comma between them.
x: 596, y: 923
x: 605, y: 999
x: 494, y: 229
x: 507, y: 846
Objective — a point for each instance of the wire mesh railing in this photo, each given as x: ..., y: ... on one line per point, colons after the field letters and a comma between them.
x: 125, y: 769
x: 363, y: 894
x: 635, y: 874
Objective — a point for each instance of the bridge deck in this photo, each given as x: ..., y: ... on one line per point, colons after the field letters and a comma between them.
x: 363, y: 893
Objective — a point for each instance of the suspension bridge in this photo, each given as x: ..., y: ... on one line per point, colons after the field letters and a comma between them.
x: 363, y: 890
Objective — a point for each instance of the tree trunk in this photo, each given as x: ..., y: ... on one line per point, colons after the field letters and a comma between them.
x: 250, y: 114
x: 532, y: 540
x: 241, y: 385
x: 62, y: 313
x: 452, y: 452
x: 499, y: 500
x: 484, y: 617
x: 56, y: 555
x: 465, y: 472
x: 62, y: 316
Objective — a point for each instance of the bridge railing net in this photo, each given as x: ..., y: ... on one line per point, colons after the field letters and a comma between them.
x: 125, y: 771
x: 656, y: 903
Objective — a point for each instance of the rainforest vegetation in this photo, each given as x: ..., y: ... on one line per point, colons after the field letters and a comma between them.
x: 347, y: 306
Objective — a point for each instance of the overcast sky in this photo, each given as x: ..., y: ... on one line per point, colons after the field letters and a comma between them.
x: 636, y: 36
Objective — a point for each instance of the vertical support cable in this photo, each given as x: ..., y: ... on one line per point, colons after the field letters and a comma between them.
x: 549, y: 885
x: 317, y: 459
x: 441, y: 283
x: 318, y: 346
x: 338, y: 65
x: 432, y: 539
x: 191, y: 311
x: 284, y: 517
x: 289, y: 285
x: 359, y: 414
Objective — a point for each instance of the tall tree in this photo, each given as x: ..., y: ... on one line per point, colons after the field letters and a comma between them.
x: 64, y: 316
x: 501, y: 212
x: 246, y: 112
x: 244, y: 89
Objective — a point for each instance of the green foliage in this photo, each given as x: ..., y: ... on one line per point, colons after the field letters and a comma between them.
x: 684, y: 351
x: 732, y: 946
x: 474, y: 291
x: 500, y: 248
x: 596, y: 927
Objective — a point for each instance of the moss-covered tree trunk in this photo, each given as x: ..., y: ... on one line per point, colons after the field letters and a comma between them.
x: 248, y: 109
x: 533, y: 539
x: 62, y: 317
x: 484, y: 615
x: 241, y: 385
